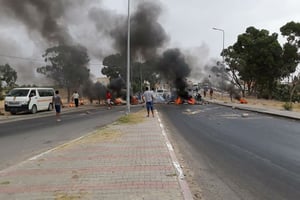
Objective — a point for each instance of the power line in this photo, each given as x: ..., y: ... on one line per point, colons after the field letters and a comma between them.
x: 22, y: 58
x: 34, y: 59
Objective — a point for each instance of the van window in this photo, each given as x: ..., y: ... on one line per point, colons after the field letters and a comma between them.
x: 45, y: 93
x: 32, y: 93
x: 18, y: 92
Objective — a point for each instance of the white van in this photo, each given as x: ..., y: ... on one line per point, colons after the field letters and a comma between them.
x: 28, y: 100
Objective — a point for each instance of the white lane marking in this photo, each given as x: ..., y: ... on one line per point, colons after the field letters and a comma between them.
x: 187, y: 194
x: 42, y: 154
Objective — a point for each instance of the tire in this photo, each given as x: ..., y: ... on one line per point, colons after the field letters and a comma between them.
x: 34, y: 109
x: 50, y: 107
x: 13, y: 113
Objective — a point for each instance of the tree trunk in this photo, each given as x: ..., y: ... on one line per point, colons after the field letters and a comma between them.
x: 69, y: 93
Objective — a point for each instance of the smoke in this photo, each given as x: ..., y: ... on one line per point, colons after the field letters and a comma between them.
x: 47, y: 24
x: 173, y: 66
x: 42, y: 16
x: 104, y: 21
x: 147, y: 34
x: 102, y: 31
x: 197, y: 58
x: 117, y: 85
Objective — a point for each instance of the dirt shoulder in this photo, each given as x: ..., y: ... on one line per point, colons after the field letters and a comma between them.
x: 260, y: 103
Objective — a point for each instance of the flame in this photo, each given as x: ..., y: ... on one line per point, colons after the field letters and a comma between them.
x: 191, y: 101
x: 178, y: 100
x: 243, y: 101
x: 118, y: 101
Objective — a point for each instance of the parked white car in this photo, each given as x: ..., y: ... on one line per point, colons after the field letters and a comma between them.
x: 28, y: 100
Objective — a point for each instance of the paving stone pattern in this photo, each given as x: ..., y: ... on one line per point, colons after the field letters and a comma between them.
x: 135, y: 164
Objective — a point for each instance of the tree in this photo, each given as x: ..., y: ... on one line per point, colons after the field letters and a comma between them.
x: 116, y: 70
x: 99, y: 91
x: 67, y: 65
x: 295, y: 83
x: 9, y: 75
x: 260, y: 60
x: 291, y: 31
x: 143, y: 72
x: 114, y: 66
x: 236, y: 69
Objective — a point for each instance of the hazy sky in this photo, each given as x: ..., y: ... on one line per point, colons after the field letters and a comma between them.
x: 188, y: 23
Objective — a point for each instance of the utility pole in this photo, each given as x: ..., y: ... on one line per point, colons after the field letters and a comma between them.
x: 128, y: 60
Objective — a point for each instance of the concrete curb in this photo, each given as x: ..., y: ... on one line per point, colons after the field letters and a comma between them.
x: 268, y: 111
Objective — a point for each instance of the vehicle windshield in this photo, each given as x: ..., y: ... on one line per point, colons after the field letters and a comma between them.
x: 18, y: 93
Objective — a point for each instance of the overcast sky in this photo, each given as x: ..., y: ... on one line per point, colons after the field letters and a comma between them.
x: 188, y: 23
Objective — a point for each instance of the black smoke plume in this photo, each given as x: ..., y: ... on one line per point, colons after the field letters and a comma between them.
x: 117, y: 85
x: 42, y: 16
x: 173, y: 67
x: 147, y: 34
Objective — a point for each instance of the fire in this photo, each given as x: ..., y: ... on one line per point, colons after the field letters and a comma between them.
x: 178, y: 100
x: 118, y: 101
x: 72, y: 104
x: 191, y: 101
x: 243, y: 101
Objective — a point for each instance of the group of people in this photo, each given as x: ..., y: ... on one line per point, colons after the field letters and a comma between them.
x: 148, y: 98
x: 211, y: 92
x: 58, y: 104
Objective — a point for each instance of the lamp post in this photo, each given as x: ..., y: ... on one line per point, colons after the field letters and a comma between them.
x: 223, y: 60
x: 223, y: 33
x: 128, y: 60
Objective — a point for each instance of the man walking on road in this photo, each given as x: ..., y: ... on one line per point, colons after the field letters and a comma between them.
x: 148, y: 98
x: 57, y: 102
x: 75, y: 97
x: 108, y: 99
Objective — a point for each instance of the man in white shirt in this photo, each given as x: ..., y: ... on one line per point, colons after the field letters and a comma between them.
x: 148, y: 98
x: 75, y: 97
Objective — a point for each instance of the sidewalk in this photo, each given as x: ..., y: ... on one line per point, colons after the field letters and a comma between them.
x: 265, y: 110
x: 122, y: 161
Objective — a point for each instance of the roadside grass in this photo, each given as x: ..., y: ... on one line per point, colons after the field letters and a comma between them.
x: 5, y: 183
x: 132, y: 118
x: 65, y: 196
x: 274, y: 104
x: 108, y: 133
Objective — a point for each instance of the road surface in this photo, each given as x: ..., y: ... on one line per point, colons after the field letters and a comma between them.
x: 27, y: 135
x: 235, y: 154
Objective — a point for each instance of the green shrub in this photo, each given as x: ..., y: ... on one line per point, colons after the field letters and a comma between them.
x: 288, y: 106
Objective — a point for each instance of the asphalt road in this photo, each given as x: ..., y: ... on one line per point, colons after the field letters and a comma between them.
x: 235, y: 154
x: 27, y: 135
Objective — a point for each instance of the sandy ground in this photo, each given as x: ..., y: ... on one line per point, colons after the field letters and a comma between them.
x: 261, y: 102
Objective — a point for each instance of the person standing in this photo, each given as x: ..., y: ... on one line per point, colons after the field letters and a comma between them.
x: 148, y: 98
x: 211, y: 92
x: 75, y: 97
x: 108, y: 99
x: 57, y: 102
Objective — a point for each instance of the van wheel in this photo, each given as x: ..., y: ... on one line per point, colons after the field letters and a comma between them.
x: 13, y: 113
x: 33, y: 109
x: 50, y: 107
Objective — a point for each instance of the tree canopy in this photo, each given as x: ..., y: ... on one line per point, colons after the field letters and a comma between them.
x: 8, y: 75
x: 258, y: 59
x: 66, y: 65
x: 114, y: 66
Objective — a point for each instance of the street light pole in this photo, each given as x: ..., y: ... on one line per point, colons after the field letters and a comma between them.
x: 223, y: 33
x: 223, y: 60
x: 128, y: 60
